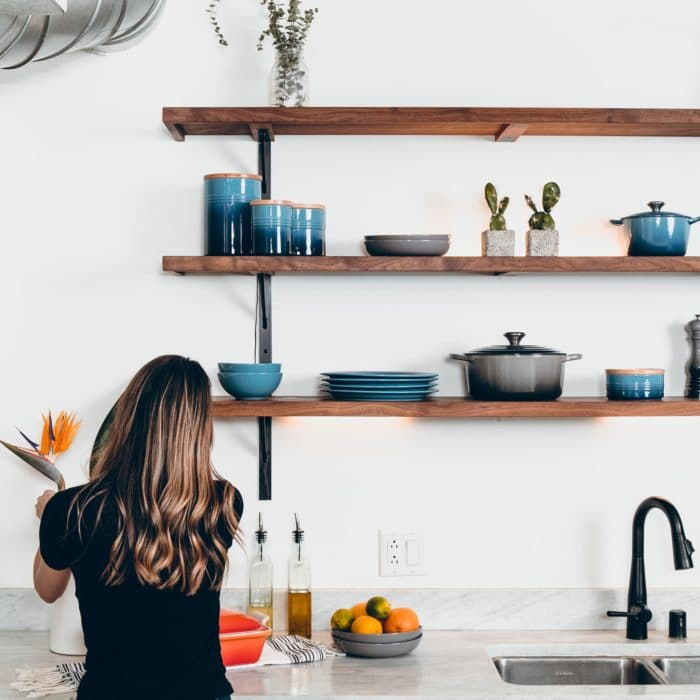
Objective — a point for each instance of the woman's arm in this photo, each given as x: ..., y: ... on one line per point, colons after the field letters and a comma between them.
x: 48, y: 583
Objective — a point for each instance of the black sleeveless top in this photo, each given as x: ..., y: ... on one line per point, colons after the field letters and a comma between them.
x: 141, y: 642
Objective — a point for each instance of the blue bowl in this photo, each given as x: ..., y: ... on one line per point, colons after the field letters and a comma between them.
x: 250, y: 386
x: 254, y: 367
x: 635, y: 384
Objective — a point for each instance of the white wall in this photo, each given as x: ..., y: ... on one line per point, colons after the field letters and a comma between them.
x: 94, y: 192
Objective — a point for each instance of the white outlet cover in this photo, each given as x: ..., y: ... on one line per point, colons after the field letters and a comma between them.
x: 400, y: 553
x: 32, y: 7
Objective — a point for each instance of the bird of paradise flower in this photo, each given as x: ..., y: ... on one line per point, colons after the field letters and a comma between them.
x: 56, y: 437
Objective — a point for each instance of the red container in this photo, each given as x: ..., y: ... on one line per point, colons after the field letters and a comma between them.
x: 242, y: 638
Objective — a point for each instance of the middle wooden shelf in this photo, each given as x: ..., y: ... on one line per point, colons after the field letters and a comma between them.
x: 271, y: 264
x: 454, y: 407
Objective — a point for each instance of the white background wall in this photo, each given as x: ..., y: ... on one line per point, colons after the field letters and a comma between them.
x: 94, y: 192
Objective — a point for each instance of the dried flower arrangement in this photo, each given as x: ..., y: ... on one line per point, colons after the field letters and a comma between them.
x: 288, y: 25
x: 56, y: 437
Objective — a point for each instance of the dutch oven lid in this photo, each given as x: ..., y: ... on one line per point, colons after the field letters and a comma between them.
x: 515, y: 348
x: 655, y: 212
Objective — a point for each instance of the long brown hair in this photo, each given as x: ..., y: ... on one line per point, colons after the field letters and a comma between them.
x: 155, y: 463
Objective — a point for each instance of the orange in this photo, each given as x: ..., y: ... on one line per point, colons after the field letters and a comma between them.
x: 401, y: 620
x: 366, y: 625
x: 359, y: 610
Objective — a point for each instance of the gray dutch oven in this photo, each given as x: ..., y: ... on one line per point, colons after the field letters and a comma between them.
x: 515, y: 372
x: 657, y: 232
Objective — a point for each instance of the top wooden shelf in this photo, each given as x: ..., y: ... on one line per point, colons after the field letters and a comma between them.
x: 501, y: 123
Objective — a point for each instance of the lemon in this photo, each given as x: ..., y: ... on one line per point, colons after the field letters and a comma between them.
x: 342, y: 620
x: 378, y: 607
x: 366, y: 625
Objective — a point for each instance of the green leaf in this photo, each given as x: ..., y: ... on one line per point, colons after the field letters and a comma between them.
x: 37, y: 461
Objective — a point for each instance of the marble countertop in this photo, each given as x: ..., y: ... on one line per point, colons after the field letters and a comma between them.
x: 445, y: 665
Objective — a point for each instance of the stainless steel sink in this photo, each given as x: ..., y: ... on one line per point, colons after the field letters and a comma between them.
x: 680, y: 670
x: 562, y: 670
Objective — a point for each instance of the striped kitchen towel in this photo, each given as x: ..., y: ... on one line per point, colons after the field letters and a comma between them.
x: 64, y: 678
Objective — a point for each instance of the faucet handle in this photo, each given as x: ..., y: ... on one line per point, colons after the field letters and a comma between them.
x: 637, y: 612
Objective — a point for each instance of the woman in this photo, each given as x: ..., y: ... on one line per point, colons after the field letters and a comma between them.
x: 146, y: 539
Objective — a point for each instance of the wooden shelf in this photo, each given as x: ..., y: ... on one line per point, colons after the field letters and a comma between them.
x: 244, y: 265
x: 501, y: 123
x: 225, y: 407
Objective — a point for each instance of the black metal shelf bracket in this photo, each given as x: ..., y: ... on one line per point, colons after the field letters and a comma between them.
x: 264, y: 327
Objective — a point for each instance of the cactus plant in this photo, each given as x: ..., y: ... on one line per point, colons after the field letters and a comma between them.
x: 543, y: 220
x: 498, y: 222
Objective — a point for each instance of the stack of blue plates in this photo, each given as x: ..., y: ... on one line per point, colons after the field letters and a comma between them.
x: 379, y: 386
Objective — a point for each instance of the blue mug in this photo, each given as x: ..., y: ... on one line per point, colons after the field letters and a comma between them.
x: 228, y: 197
x: 272, y: 226
x: 308, y: 229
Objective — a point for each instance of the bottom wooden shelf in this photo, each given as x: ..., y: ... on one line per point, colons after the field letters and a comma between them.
x: 454, y: 407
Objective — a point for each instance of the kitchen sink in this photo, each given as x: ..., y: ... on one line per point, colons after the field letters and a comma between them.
x: 577, y: 670
x: 680, y: 670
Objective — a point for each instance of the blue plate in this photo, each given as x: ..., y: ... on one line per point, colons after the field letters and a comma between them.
x: 340, y: 384
x: 380, y: 375
x: 343, y: 396
x: 382, y: 390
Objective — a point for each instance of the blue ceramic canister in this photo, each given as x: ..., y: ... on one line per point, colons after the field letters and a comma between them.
x: 635, y: 384
x: 272, y: 226
x: 228, y: 197
x: 309, y: 229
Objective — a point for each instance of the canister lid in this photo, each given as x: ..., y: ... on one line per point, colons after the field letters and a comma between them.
x: 515, y: 348
x: 634, y: 371
x: 238, y: 176
x: 260, y: 202
x: 296, y: 205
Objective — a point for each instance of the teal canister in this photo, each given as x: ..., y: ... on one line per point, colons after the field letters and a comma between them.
x: 308, y: 229
x: 272, y: 226
x: 228, y: 226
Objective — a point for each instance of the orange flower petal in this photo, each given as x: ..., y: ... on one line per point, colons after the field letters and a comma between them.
x: 45, y: 446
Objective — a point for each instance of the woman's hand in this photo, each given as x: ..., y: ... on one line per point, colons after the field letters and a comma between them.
x: 42, y: 501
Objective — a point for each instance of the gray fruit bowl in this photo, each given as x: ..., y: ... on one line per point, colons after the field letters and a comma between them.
x: 387, y: 638
x: 374, y: 650
x: 402, y: 246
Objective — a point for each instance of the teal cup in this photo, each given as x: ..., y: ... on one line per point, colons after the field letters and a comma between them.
x: 228, y: 216
x: 272, y: 226
x: 308, y: 229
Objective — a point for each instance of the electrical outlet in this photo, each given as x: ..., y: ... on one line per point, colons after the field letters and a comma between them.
x: 400, y: 553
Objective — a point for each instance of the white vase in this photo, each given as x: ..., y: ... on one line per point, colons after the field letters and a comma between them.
x: 66, y: 630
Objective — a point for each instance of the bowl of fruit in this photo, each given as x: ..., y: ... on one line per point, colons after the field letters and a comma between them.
x: 375, y: 630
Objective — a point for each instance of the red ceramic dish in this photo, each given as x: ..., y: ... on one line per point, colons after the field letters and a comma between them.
x: 242, y: 638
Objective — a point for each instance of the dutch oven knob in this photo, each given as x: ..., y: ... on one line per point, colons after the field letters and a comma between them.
x: 514, y: 338
x: 656, y: 206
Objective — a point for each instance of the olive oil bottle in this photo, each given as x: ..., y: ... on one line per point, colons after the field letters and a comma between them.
x: 260, y: 576
x: 299, y: 586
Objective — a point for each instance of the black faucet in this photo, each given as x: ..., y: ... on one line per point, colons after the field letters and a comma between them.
x: 638, y: 614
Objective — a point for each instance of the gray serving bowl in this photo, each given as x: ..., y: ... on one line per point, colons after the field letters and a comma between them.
x: 408, y: 247
x: 371, y: 650
x: 390, y: 638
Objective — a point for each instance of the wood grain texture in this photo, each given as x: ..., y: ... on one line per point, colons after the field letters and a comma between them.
x: 458, y: 121
x: 225, y: 407
x: 244, y: 265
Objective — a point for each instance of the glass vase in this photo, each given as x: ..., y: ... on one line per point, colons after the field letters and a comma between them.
x: 289, y: 81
